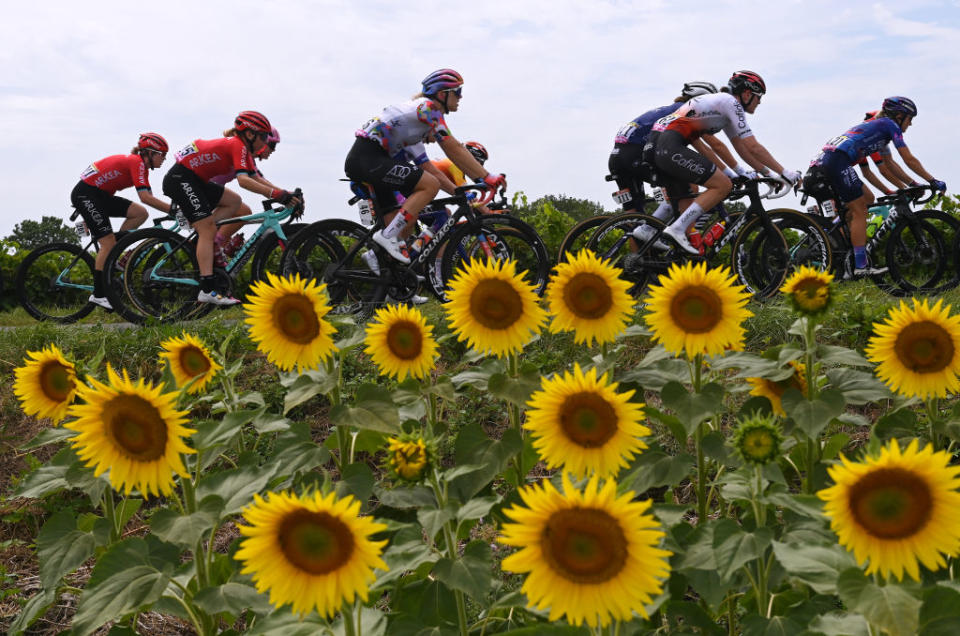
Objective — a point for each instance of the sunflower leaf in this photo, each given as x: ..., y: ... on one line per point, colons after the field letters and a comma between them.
x: 235, y: 487
x: 471, y: 573
x: 692, y: 408
x: 403, y: 559
x: 776, y: 626
x: 405, y: 498
x: 479, y: 376
x: 303, y: 386
x: 735, y: 547
x: 185, y: 530
x: 474, y: 447
x: 515, y: 390
x: 49, y: 436
x: 840, y: 624
x: 817, y: 566
x: 62, y: 548
x: 433, y: 519
x: 33, y: 609
x: 858, y: 387
x: 476, y: 508
x: 834, y: 355
x: 812, y: 417
x: 373, y: 410
x: 50, y: 477
x: 889, y: 606
x: 231, y: 598
x: 899, y: 423
x: 283, y: 622
x: 356, y: 479
x: 938, y: 615
x: 654, y: 468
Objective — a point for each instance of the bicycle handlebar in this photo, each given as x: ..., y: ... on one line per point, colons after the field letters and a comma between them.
x: 912, y: 193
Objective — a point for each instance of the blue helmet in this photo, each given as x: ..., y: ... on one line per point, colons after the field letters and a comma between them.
x: 899, y: 105
x: 443, y: 80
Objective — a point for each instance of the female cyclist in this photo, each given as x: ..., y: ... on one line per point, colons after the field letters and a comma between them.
x: 190, y: 184
x: 94, y: 196
x: 389, y: 154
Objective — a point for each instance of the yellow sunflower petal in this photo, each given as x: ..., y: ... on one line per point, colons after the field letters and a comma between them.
x: 492, y: 308
x: 189, y: 360
x: 401, y: 343
x: 408, y: 458
x: 587, y: 296
x: 917, y: 350
x: 810, y: 291
x: 580, y: 422
x: 773, y: 390
x: 898, y: 510
x: 133, y: 430
x: 310, y: 551
x: 590, y: 555
x: 46, y: 384
x: 697, y: 310
x: 286, y: 320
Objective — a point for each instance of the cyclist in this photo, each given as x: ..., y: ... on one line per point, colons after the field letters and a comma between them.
x: 389, y: 154
x: 95, y: 198
x: 189, y: 183
x: 708, y: 114
x: 836, y: 161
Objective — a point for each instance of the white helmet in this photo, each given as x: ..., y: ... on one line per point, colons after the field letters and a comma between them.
x: 695, y: 89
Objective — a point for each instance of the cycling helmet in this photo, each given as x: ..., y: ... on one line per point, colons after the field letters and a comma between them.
x: 478, y: 151
x: 746, y: 80
x: 900, y: 105
x: 251, y: 120
x: 695, y: 89
x: 153, y: 141
x: 443, y: 80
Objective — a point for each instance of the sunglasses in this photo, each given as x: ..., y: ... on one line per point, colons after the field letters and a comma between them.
x: 262, y: 136
x: 456, y: 91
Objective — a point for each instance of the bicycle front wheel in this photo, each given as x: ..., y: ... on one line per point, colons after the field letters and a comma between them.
x: 807, y: 243
x: 54, y: 282
x: 917, y: 255
x: 578, y: 237
x: 643, y: 260
x: 760, y: 258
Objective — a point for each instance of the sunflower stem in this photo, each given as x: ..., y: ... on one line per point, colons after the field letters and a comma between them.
x: 933, y: 417
x: 432, y: 397
x: 450, y: 542
x: 702, y: 504
x: 810, y: 371
x: 189, y: 492
x: 349, y: 627
x: 110, y: 512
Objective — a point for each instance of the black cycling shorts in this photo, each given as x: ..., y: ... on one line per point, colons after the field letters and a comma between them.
x: 194, y: 196
x: 627, y: 165
x: 678, y: 165
x: 97, y: 206
x: 368, y: 162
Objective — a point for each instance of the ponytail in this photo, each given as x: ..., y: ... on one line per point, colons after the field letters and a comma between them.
x: 232, y: 132
x: 136, y: 151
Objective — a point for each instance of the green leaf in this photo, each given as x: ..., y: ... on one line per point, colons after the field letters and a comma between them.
x: 715, y: 447
x: 817, y: 566
x: 216, y: 433
x: 413, y: 497
x: 33, y: 610
x: 841, y: 356
x: 50, y: 477
x: 514, y: 390
x: 751, y: 366
x: 806, y: 505
x: 938, y: 614
x: 185, y: 530
x: 471, y: 573
x: 858, y: 387
x: 812, y: 417
x: 304, y: 386
x: 840, y: 624
x: 235, y: 487
x: 432, y: 519
x: 130, y: 575
x: 835, y: 445
x: 692, y: 408
x: 653, y: 468
x: 734, y: 547
x: 891, y: 607
x: 474, y: 447
x: 402, y: 559
x: 699, y: 553
x: 670, y: 421
x: 657, y: 369
x: 373, y: 409
x: 899, y: 423
x: 357, y: 480
x: 49, y: 436
x: 476, y: 508
x: 268, y: 422
x: 776, y: 626
x: 424, y: 603
x: 479, y: 376
x: 232, y: 598
x: 283, y: 622
x: 62, y: 548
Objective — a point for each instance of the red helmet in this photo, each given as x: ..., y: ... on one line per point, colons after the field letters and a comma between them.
x: 746, y: 80
x: 251, y: 120
x: 478, y: 151
x: 153, y: 141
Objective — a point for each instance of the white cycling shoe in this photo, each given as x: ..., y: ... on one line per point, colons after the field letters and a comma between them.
x: 413, y: 300
x: 370, y: 260
x: 216, y: 298
x: 680, y: 238
x: 392, y: 247
x: 102, y: 301
x: 643, y: 233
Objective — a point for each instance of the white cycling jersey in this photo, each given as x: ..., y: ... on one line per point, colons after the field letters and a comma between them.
x: 403, y: 129
x: 708, y: 115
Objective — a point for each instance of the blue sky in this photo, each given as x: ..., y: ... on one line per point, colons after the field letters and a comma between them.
x: 547, y: 83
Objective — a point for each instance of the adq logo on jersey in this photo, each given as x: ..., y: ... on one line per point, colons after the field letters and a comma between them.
x: 399, y: 172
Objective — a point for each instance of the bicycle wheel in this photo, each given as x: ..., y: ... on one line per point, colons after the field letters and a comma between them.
x: 642, y: 261
x: 760, y: 258
x: 499, y: 237
x: 54, y: 282
x: 917, y: 254
x: 807, y: 243
x: 578, y: 236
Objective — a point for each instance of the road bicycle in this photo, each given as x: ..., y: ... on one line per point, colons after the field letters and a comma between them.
x: 360, y: 275
x: 153, y: 274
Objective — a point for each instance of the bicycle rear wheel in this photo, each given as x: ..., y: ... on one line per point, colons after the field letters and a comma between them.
x: 54, y: 282
x: 642, y: 261
x: 917, y: 254
x: 807, y: 243
x: 760, y: 258
x: 578, y: 237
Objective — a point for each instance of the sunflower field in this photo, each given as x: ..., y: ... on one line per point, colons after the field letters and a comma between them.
x: 500, y: 464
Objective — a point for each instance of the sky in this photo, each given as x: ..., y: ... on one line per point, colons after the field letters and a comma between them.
x: 547, y: 83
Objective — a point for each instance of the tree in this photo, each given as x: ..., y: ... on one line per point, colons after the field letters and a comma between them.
x: 30, y: 234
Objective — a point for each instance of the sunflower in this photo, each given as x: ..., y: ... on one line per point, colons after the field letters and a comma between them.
x: 310, y: 551
x: 811, y: 292
x: 773, y: 389
x: 918, y: 350
x: 758, y: 439
x: 401, y: 342
x: 133, y: 430
x: 492, y: 308
x: 580, y: 422
x: 409, y: 456
x: 587, y: 296
x: 896, y: 510
x: 46, y: 383
x: 286, y: 319
x: 190, y: 361
x: 697, y: 310
x: 591, y: 555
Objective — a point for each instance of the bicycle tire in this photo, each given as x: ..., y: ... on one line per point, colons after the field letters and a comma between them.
x: 268, y: 256
x: 45, y: 283
x: 578, y: 236
x: 520, y: 243
x: 641, y: 263
x: 760, y: 258
x: 807, y: 243
x: 917, y: 254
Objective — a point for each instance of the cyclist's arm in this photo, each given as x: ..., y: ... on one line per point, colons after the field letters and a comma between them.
x: 913, y: 163
x: 446, y: 184
x: 147, y: 197
x: 248, y: 182
x: 893, y: 173
x: 462, y: 158
x: 707, y: 151
x: 753, y: 152
x: 263, y: 180
x: 874, y: 180
x: 721, y: 151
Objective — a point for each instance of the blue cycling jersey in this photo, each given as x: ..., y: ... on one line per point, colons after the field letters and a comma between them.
x: 637, y: 131
x: 867, y: 138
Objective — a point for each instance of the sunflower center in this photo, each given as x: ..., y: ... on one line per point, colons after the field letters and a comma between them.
x: 758, y: 444
x: 193, y: 361
x: 296, y: 318
x: 315, y: 542
x: 135, y: 426
x: 924, y: 347
x: 696, y: 309
x: 584, y: 545
x: 588, y: 420
x: 495, y: 304
x: 405, y: 340
x: 811, y: 293
x: 891, y: 503
x: 56, y: 381
x: 588, y: 296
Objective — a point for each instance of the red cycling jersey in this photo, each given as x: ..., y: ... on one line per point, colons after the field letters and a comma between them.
x: 209, y: 158
x: 117, y: 172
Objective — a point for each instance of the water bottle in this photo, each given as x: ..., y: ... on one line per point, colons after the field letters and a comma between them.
x: 81, y: 228
x: 695, y: 239
x: 366, y: 211
x: 425, y: 237
x: 873, y: 224
x: 713, y: 234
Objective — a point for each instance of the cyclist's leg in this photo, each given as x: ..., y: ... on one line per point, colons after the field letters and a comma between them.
x: 851, y: 191
x: 206, y: 228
